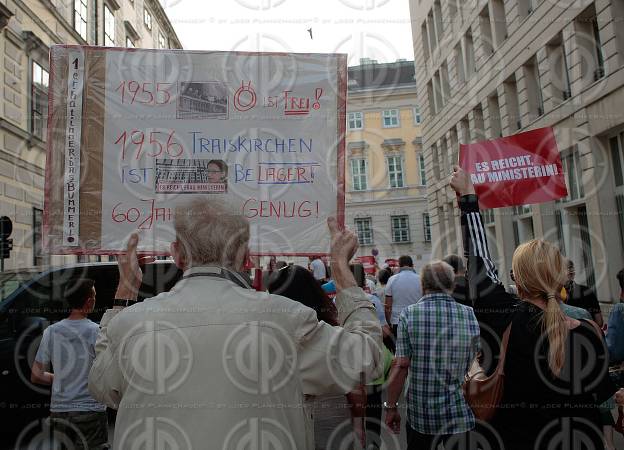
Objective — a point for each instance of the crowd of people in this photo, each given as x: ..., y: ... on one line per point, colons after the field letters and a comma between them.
x: 314, y: 361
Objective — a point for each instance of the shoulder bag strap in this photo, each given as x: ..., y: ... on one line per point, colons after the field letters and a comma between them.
x: 595, y: 327
x: 500, y: 368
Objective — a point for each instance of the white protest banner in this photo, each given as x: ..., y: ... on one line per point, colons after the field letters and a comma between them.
x: 263, y: 132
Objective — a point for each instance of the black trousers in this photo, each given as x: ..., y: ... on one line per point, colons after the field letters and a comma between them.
x: 373, y: 415
x: 419, y: 441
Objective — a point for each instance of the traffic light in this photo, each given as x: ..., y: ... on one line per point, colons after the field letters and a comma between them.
x: 6, y: 245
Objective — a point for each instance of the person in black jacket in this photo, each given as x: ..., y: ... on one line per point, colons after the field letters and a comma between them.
x: 556, y: 368
x: 582, y: 296
x: 459, y: 268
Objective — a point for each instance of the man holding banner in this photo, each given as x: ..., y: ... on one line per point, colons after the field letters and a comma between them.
x: 215, y: 360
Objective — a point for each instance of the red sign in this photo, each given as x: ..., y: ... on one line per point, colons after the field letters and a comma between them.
x: 368, y: 262
x: 516, y: 170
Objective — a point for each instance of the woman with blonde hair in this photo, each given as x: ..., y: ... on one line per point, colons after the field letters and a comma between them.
x: 556, y: 367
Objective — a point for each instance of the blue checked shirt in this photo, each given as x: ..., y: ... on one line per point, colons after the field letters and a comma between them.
x: 441, y: 339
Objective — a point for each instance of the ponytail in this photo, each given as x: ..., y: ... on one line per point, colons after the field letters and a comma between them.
x: 554, y: 325
x: 539, y: 270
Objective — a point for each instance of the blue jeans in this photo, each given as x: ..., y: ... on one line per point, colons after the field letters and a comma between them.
x: 615, y: 334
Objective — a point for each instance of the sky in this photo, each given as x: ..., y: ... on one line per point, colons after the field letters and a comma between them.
x: 376, y: 29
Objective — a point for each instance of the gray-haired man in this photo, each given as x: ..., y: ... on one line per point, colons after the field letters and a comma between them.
x: 438, y: 339
x: 214, y: 364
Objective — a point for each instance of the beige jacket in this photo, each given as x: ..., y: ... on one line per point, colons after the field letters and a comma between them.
x: 211, y: 365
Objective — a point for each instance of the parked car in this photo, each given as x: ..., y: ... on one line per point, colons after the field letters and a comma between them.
x: 32, y: 299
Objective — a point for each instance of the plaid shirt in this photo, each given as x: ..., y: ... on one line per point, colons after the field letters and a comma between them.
x: 441, y: 339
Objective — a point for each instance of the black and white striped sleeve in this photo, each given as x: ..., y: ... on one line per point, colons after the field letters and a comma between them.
x: 475, y: 241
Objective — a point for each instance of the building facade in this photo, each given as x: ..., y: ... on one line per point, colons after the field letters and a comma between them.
x: 27, y: 30
x: 491, y: 68
x: 385, y: 167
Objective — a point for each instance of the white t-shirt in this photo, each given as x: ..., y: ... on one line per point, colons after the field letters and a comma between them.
x: 405, y: 290
x: 69, y: 346
x: 318, y: 269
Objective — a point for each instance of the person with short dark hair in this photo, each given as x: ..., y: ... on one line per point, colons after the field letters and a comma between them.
x: 582, y: 296
x: 68, y: 348
x: 402, y: 290
x: 406, y: 261
x: 620, y: 278
x: 336, y: 416
x: 460, y: 294
x: 615, y: 326
x: 383, y: 276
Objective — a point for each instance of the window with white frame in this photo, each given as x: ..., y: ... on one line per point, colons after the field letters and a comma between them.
x: 147, y: 18
x: 571, y: 163
x: 522, y: 210
x: 426, y: 227
x: 417, y: 116
x: 600, y: 70
x: 488, y: 216
x: 617, y: 157
x: 162, y: 42
x: 39, y: 101
x: 364, y: 229
x: 400, y: 228
x: 359, y: 179
x: 39, y: 257
x: 109, y: 27
x: 422, y: 169
x: 80, y: 17
x: 523, y: 224
x: 395, y: 171
x: 356, y: 121
x: 390, y: 118
x: 129, y: 42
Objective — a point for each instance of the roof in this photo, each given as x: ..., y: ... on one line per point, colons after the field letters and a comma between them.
x: 159, y: 9
x: 372, y: 75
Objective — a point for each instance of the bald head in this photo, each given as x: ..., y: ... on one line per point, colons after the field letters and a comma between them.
x: 437, y: 276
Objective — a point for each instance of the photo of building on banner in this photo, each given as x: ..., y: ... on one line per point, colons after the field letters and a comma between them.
x: 135, y: 133
x: 516, y: 170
